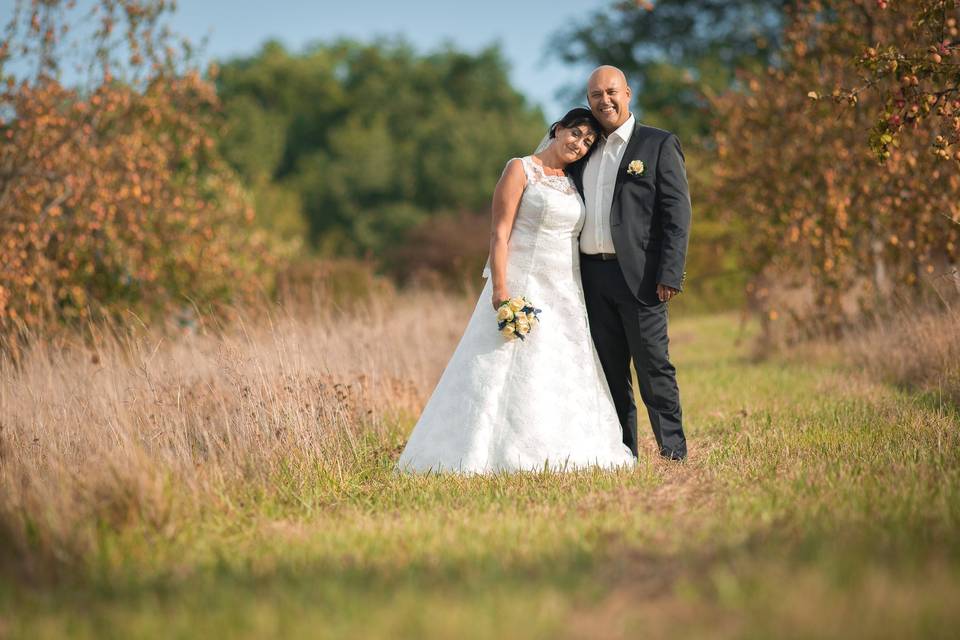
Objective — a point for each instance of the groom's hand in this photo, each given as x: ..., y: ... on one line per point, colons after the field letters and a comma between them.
x: 665, y: 293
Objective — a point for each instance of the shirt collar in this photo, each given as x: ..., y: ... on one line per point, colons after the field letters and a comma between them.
x: 624, y: 131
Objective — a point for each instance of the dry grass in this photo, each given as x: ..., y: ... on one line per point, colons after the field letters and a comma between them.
x: 918, y: 350
x: 240, y: 483
x: 127, y: 432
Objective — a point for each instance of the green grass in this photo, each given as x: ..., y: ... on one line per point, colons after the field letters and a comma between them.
x: 815, y: 502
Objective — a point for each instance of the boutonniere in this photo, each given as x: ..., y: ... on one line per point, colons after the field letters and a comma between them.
x: 635, y: 168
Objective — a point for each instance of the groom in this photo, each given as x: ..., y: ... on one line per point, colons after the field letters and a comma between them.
x: 633, y: 246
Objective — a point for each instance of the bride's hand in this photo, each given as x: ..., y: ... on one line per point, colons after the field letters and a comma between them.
x: 498, y: 297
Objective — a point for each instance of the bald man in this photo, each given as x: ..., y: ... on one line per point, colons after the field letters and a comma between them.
x: 633, y: 248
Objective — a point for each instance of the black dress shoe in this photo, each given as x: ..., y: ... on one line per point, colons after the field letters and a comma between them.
x: 673, y: 455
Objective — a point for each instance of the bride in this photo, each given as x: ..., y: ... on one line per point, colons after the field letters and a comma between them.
x: 541, y: 402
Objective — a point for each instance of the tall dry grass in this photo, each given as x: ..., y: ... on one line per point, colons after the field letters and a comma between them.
x: 910, y: 342
x: 918, y: 350
x: 137, y: 429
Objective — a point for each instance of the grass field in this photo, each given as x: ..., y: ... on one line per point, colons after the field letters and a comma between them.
x: 242, y: 486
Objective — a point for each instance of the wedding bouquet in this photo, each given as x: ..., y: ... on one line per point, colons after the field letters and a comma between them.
x: 516, y: 318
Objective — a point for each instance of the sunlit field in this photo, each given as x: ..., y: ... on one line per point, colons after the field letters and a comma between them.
x: 241, y: 483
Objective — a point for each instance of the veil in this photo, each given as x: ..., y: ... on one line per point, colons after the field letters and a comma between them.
x: 544, y: 143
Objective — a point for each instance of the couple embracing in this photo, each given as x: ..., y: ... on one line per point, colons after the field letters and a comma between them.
x: 592, y: 229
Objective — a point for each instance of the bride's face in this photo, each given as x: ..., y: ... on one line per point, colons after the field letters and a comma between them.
x: 574, y: 142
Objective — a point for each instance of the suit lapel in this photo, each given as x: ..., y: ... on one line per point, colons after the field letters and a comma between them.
x: 628, y: 155
x: 629, y: 152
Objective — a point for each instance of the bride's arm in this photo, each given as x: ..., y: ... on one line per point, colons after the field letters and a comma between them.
x: 506, y: 199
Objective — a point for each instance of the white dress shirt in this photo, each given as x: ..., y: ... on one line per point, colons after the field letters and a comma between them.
x: 599, y: 178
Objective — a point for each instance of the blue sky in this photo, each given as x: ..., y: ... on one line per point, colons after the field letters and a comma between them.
x: 522, y: 27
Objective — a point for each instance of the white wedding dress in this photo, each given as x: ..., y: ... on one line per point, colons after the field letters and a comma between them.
x: 525, y: 405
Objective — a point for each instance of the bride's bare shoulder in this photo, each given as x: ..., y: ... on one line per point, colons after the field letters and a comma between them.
x: 514, y: 171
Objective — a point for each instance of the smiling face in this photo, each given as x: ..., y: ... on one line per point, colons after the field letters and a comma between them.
x: 572, y: 143
x: 609, y: 96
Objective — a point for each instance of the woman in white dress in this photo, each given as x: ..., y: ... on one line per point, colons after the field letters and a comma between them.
x: 542, y: 402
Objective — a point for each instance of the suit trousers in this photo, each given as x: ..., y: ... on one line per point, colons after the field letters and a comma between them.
x: 624, y: 328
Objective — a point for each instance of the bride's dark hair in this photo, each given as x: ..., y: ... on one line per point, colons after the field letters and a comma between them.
x: 575, y: 118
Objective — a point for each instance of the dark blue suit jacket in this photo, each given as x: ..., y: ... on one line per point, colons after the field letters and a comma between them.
x: 651, y: 212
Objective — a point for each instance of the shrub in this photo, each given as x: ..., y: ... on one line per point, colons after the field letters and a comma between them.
x: 114, y: 197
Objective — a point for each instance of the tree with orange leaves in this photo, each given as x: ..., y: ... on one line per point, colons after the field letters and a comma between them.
x: 113, y: 196
x: 915, y: 70
x: 794, y: 171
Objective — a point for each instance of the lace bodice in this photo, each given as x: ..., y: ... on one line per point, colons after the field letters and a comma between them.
x: 544, y: 237
x: 536, y: 175
x: 548, y: 222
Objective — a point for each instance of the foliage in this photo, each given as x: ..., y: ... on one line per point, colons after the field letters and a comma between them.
x: 307, y: 284
x: 373, y: 140
x: 448, y: 251
x: 824, y: 218
x: 915, y: 69
x: 674, y: 51
x: 113, y: 198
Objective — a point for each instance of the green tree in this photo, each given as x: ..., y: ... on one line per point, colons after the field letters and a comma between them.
x: 675, y: 51
x: 368, y: 141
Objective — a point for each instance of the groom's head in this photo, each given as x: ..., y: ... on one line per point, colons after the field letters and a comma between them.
x: 609, y: 96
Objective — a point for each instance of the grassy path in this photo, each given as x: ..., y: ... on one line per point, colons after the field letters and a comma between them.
x: 814, y: 503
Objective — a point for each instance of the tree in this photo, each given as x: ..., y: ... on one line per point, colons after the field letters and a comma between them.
x: 112, y: 197
x: 915, y: 70
x: 675, y: 51
x: 825, y: 219
x: 372, y: 140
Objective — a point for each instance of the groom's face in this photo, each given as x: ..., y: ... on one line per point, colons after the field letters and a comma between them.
x: 609, y: 96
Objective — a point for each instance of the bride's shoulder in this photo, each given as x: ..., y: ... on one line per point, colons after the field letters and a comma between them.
x: 519, y: 162
x: 516, y: 169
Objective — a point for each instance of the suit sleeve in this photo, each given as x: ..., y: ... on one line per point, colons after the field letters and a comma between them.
x: 675, y: 213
